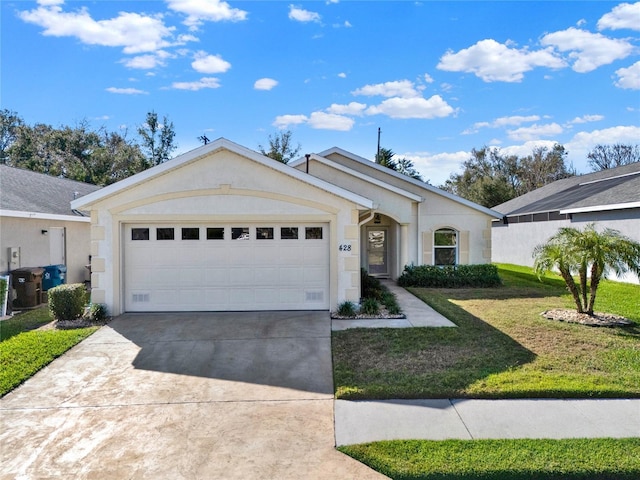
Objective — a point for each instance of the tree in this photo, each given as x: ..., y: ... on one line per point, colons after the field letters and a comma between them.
x: 10, y: 122
x: 404, y: 166
x: 603, y: 157
x: 157, y: 139
x: 589, y: 254
x: 489, y: 178
x: 281, y: 147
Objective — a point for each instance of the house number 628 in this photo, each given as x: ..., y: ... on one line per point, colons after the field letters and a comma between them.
x: 344, y: 247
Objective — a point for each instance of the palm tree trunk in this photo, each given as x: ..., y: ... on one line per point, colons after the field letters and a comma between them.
x: 583, y: 283
x: 571, y: 285
x: 596, y: 273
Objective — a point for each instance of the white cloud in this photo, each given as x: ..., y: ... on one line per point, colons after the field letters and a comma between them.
x: 265, y: 84
x: 126, y: 91
x: 534, y: 132
x: 629, y: 77
x: 586, y: 119
x: 625, y: 15
x: 330, y: 121
x: 436, y: 167
x: 398, y: 88
x: 353, y: 108
x: 583, y: 142
x: 199, y: 11
x: 284, y: 121
x: 492, y: 61
x: 619, y: 134
x: 301, y: 15
x: 134, y: 32
x: 527, y: 148
x: 205, y: 82
x: 205, y: 63
x: 428, y: 78
x: 342, y: 75
x: 513, y: 120
x: 398, y: 107
x: 587, y: 50
x: 148, y: 61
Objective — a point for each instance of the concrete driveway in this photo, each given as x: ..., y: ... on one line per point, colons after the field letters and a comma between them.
x: 182, y: 396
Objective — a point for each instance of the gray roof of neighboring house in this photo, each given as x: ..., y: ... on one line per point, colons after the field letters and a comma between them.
x: 609, y: 187
x: 27, y: 191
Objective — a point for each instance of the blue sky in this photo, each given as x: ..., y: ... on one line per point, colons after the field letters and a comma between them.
x: 438, y: 78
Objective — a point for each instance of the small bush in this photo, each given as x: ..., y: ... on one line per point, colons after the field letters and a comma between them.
x: 66, y: 302
x: 370, y: 306
x: 96, y: 313
x: 370, y: 286
x: 347, y: 309
x: 450, y: 276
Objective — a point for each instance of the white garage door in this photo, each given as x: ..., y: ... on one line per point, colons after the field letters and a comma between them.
x: 232, y: 267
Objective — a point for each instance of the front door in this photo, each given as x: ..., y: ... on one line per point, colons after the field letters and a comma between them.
x: 377, y: 255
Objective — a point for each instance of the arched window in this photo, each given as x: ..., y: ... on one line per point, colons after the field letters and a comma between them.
x: 445, y: 247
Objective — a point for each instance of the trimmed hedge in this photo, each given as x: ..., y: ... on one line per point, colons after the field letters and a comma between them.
x: 67, y: 302
x: 450, y: 276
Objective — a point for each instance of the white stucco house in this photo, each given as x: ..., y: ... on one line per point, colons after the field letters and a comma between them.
x: 38, y: 226
x: 609, y: 198
x: 223, y: 228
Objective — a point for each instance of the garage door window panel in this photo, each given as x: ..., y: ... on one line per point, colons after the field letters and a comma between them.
x: 264, y: 233
x: 289, y: 233
x: 215, y: 233
x: 240, y: 233
x: 139, y: 234
x: 313, y: 233
x: 165, y: 234
x: 190, y: 233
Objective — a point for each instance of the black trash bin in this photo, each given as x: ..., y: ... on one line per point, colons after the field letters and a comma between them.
x: 28, y: 285
x: 53, y: 276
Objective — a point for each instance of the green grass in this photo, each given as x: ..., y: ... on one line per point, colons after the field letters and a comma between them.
x: 24, y: 350
x: 502, y: 347
x: 571, y: 459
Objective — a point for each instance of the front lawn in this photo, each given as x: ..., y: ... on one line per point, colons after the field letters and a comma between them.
x: 570, y: 459
x: 502, y: 347
x: 24, y: 350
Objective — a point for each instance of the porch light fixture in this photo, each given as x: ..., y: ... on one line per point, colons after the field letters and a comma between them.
x: 376, y: 219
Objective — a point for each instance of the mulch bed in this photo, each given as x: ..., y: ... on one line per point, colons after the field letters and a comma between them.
x: 598, y: 319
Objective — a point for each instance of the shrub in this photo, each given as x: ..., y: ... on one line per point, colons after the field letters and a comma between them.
x: 96, y: 312
x: 370, y: 286
x: 370, y: 306
x: 450, y: 276
x: 66, y: 302
x: 347, y: 309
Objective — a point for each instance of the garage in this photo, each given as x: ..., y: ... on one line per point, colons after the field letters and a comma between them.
x: 225, y: 267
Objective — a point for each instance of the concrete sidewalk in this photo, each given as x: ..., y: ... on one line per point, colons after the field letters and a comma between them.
x: 418, y: 314
x: 370, y: 421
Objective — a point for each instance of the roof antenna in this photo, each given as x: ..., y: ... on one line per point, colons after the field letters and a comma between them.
x: 378, y: 153
x: 307, y: 157
x: 204, y: 139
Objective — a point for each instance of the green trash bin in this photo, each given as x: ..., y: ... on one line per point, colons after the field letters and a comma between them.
x: 28, y: 285
x: 53, y: 276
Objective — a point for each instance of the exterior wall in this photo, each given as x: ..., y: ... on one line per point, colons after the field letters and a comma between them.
x: 27, y: 234
x: 514, y: 243
x: 474, y: 229
x: 209, y: 190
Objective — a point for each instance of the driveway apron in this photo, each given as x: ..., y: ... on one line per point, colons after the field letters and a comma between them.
x: 182, y: 396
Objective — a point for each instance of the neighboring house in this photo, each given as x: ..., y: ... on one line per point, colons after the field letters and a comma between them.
x: 38, y: 226
x: 609, y: 198
x: 223, y: 228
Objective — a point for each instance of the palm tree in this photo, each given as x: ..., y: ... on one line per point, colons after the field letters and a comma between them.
x: 590, y: 254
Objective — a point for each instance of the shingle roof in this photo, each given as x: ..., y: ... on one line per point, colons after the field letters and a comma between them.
x: 608, y: 187
x: 27, y: 191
